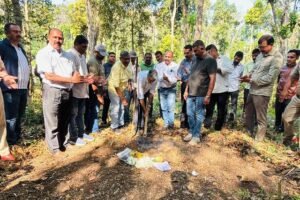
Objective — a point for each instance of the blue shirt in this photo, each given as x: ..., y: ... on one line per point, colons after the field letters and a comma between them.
x: 184, y: 69
x: 107, y: 69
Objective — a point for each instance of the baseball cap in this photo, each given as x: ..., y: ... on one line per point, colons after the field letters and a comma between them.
x: 133, y: 54
x: 101, y: 49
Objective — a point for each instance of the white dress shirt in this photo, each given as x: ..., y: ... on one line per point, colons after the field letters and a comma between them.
x: 23, y: 69
x: 234, y: 78
x: 225, y: 65
x: 50, y: 61
x: 170, y: 71
x: 143, y: 85
x: 80, y: 90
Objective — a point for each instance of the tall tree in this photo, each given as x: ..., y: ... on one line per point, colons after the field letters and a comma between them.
x: 199, y: 21
x: 93, y: 26
x: 17, y: 12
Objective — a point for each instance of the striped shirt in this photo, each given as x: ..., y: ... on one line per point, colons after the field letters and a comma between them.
x: 23, y: 69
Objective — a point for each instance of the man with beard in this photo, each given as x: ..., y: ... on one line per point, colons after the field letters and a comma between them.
x: 96, y: 69
x: 198, y: 91
x: 284, y: 76
x: 57, y: 69
x: 183, y: 74
x: 107, y: 68
x: 16, y: 64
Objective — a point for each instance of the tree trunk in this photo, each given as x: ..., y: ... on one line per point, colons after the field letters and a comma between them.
x: 184, y: 26
x: 26, y: 32
x: 17, y: 12
x: 173, y: 23
x: 93, y: 27
x: 199, y: 22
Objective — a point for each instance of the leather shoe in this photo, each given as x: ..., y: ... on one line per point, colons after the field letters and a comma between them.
x: 8, y: 157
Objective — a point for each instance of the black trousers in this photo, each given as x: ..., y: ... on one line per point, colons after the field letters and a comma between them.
x: 279, y: 109
x: 221, y: 100
x: 183, y: 118
x: 105, y: 106
x: 246, y: 93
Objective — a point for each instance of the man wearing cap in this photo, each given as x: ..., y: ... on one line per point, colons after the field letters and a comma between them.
x: 130, y: 91
x: 57, y: 70
x: 146, y: 84
x: 95, y: 68
x: 119, y: 79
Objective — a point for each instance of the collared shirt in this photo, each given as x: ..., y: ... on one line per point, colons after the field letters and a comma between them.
x: 247, y: 69
x: 80, y: 90
x: 119, y: 77
x: 234, y: 78
x: 23, y: 69
x: 170, y: 71
x: 283, y: 78
x: 225, y: 66
x: 184, y: 69
x: 107, y: 68
x: 143, y: 85
x: 147, y: 67
x: 265, y: 72
x: 51, y: 61
x: 95, y: 67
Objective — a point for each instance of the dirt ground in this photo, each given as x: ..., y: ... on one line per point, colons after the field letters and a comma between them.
x: 229, y: 164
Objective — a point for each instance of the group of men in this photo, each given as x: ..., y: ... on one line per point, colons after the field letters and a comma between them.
x: 74, y: 88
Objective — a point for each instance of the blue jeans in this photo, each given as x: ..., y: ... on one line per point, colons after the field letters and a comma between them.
x: 195, y: 112
x: 167, y: 102
x: 15, y: 104
x: 91, y: 114
x: 76, y: 127
x: 129, y: 96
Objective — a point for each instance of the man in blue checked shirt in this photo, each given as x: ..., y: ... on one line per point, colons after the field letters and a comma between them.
x: 183, y: 74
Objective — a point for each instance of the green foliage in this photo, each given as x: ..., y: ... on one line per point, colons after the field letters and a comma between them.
x: 78, y: 17
x: 166, y: 43
x: 255, y: 15
x: 286, y: 30
x: 223, y: 23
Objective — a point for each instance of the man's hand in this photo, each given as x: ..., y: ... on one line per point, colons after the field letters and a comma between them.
x: 76, y: 78
x: 89, y: 79
x: 165, y: 77
x: 185, y: 95
x: 206, y: 100
x: 124, y: 101
x: 186, y: 70
x: 245, y: 79
x: 100, y: 99
x: 10, y: 81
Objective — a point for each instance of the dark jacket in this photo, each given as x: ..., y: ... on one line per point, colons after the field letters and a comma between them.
x: 9, y: 56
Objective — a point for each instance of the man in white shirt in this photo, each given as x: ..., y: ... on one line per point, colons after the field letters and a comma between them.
x: 146, y: 85
x: 234, y: 83
x: 167, y: 79
x: 80, y: 93
x: 57, y: 70
x: 219, y: 95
